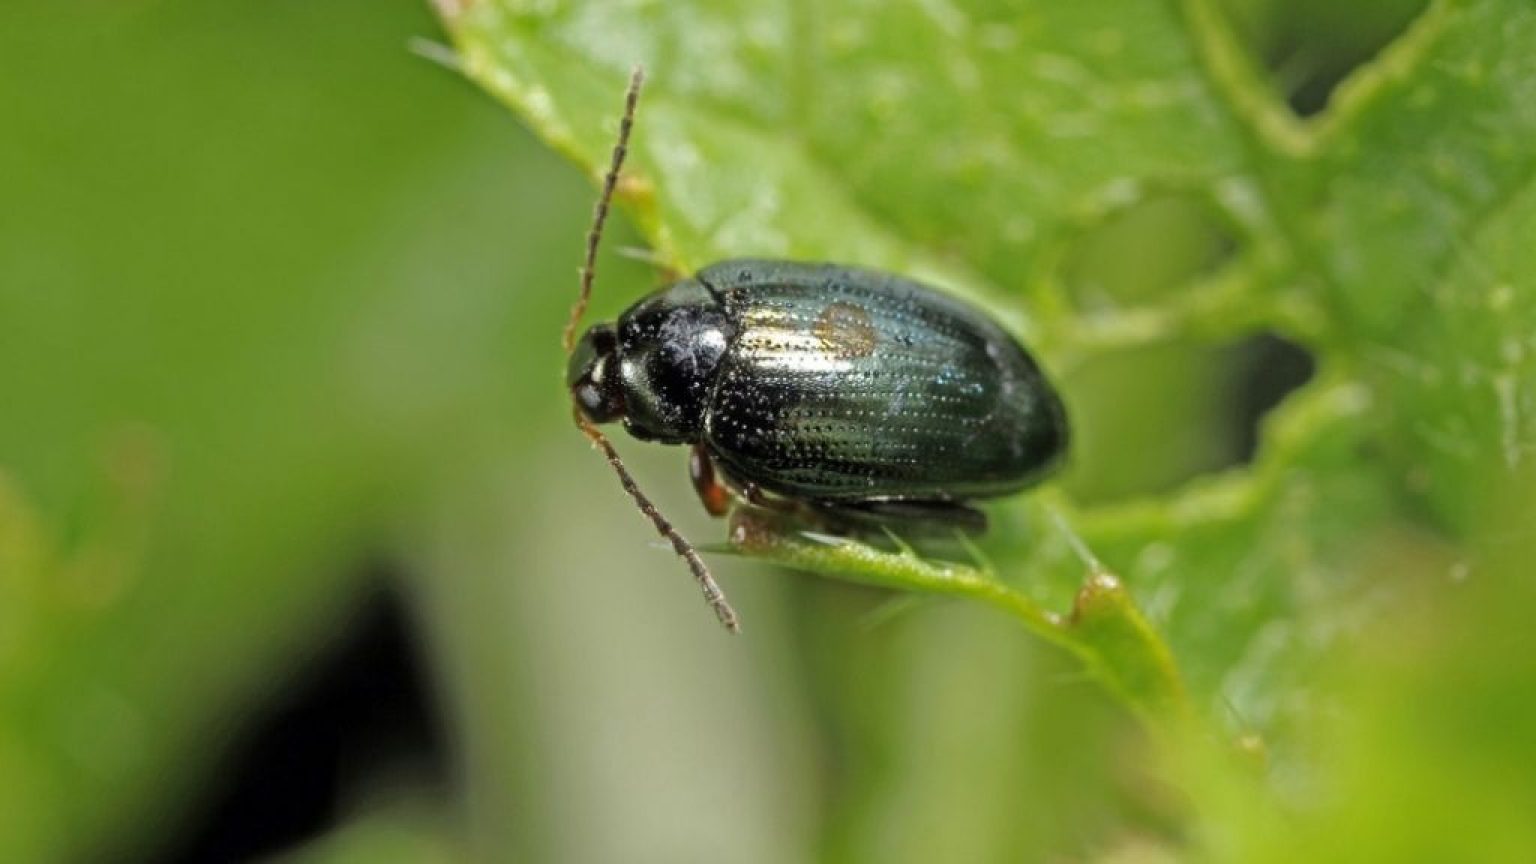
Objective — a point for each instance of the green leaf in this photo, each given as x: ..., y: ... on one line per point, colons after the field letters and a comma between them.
x: 1425, y: 190
x: 791, y: 129
x: 1104, y: 629
x: 980, y: 145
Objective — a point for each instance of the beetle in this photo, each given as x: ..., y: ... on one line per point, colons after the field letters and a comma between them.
x: 851, y: 395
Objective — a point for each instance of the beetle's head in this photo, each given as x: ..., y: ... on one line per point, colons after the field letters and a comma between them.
x: 593, y: 375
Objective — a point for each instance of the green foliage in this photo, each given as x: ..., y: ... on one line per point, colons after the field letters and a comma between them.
x: 279, y: 299
x: 216, y: 238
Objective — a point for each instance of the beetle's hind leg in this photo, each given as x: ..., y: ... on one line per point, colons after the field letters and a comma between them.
x: 935, y: 516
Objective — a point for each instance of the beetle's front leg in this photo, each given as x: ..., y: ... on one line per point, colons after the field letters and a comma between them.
x: 716, y: 488
x: 712, y: 493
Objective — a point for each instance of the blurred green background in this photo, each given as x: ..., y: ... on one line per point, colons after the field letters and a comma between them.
x: 281, y: 416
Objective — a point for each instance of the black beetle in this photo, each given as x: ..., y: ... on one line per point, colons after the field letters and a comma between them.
x: 855, y: 395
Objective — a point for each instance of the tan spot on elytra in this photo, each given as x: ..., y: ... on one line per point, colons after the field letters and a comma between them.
x: 845, y: 331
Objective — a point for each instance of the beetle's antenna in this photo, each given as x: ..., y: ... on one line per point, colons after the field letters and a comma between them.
x: 604, y: 199
x: 712, y: 593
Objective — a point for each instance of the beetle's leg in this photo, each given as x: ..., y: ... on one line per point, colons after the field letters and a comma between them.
x: 906, y: 514
x: 751, y: 492
x: 758, y: 498
x: 712, y: 493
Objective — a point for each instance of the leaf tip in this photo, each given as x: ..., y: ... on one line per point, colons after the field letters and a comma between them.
x: 1101, y: 593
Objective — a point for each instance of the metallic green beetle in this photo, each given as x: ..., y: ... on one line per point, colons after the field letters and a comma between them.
x: 857, y: 392
x: 857, y: 395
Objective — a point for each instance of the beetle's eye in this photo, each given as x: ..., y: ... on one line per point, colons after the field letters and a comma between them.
x: 596, y: 389
x: 598, y: 405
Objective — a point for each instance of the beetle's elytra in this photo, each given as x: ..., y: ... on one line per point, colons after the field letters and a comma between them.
x: 851, y: 393
x: 832, y: 385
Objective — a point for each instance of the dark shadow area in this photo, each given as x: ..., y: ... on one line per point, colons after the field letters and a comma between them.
x: 1198, y: 406
x: 365, y: 706
x: 1269, y: 368
x: 1310, y: 46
